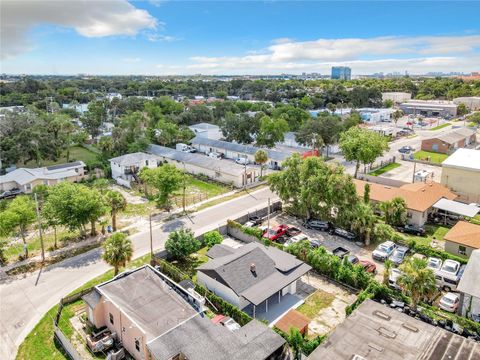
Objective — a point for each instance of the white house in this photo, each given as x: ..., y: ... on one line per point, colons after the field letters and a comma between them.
x: 207, y: 130
x: 126, y: 167
x: 469, y: 287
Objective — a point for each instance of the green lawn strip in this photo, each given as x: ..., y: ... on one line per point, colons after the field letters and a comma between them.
x: 440, y: 126
x: 211, y: 189
x: 384, y: 169
x: 77, y: 153
x: 140, y: 209
x: 432, y: 231
x: 434, y: 157
x: 316, y: 302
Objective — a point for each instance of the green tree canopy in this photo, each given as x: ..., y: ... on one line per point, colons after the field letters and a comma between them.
x: 117, y: 250
x: 417, y: 280
x: 271, y: 131
x: 181, y: 243
x: 166, y: 179
x: 212, y: 238
x: 116, y: 202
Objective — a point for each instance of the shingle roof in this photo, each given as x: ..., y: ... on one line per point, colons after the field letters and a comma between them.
x: 418, y: 196
x: 132, y: 159
x: 200, y: 339
x: 464, y: 233
x: 65, y: 166
x: 219, y: 250
x: 92, y: 298
x: 469, y: 282
x: 455, y: 135
x: 24, y: 176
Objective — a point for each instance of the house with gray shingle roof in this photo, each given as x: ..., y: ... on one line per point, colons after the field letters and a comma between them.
x: 126, y: 167
x: 252, y: 276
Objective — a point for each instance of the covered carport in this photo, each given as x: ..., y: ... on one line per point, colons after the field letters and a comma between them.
x: 452, y: 207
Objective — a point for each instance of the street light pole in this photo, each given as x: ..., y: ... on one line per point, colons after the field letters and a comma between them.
x: 151, y: 236
x: 39, y: 227
x: 184, y: 187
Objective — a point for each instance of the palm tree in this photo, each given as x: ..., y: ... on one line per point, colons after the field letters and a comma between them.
x: 417, y: 280
x: 261, y: 157
x: 295, y: 340
x: 394, y: 211
x: 396, y: 116
x: 118, y: 250
x: 117, y: 203
x: 103, y: 223
x: 386, y: 272
x: 364, y: 220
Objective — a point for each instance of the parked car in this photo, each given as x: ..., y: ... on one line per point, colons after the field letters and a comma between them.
x: 293, y: 231
x: 369, y: 266
x: 229, y: 323
x: 398, y: 255
x: 253, y: 221
x: 449, y: 275
x: 344, y: 233
x: 9, y: 194
x: 449, y: 302
x: 341, y: 252
x: 412, y: 229
x: 384, y: 250
x: 317, y: 225
x: 434, y: 263
x: 242, y: 161
x: 353, y: 259
x: 215, y: 155
x: 296, y: 239
x: 315, y: 243
x: 276, y: 232
x: 406, y: 149
x: 393, y: 278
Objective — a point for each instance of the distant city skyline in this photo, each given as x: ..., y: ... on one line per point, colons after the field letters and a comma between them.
x: 117, y: 37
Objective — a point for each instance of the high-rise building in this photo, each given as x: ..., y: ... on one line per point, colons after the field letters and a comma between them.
x: 341, y: 73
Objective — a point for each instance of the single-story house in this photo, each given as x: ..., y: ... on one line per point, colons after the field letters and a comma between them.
x: 206, y: 130
x: 469, y: 289
x: 376, y: 332
x: 153, y: 317
x: 252, y: 276
x: 461, y: 174
x: 462, y: 239
x: 26, y: 179
x: 419, y: 197
x: 234, y: 151
x: 126, y: 167
x: 449, y: 142
x: 219, y: 170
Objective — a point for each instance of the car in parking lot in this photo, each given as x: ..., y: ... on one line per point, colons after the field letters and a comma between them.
x: 9, y: 194
x: 253, y: 221
x: 393, y: 278
x: 315, y: 243
x: 242, y: 161
x: 353, y: 259
x: 344, y: 234
x: 398, y: 255
x: 412, y: 229
x: 434, y: 263
x: 384, y: 250
x: 274, y: 233
x: 449, y: 302
x: 406, y: 149
x: 296, y: 239
x: 341, y: 252
x: 215, y: 155
x: 293, y: 231
x: 449, y: 275
x: 369, y: 266
x: 317, y: 225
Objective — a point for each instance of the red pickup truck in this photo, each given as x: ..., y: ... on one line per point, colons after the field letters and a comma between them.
x: 276, y: 232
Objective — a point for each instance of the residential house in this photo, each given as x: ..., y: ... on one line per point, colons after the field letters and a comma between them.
x: 376, y: 332
x: 207, y: 130
x: 469, y: 289
x: 153, y: 317
x: 461, y: 174
x: 252, y: 277
x: 233, y: 151
x: 219, y: 170
x: 419, y: 197
x: 451, y: 141
x: 26, y: 179
x: 462, y: 239
x: 125, y: 168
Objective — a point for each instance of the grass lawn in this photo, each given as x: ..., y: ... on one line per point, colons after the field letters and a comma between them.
x: 192, y: 262
x: 77, y: 153
x: 431, y: 231
x: 384, y: 169
x: 434, y: 157
x: 440, y: 126
x: 316, y: 302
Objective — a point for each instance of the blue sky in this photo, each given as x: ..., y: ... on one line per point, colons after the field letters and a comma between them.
x: 242, y: 37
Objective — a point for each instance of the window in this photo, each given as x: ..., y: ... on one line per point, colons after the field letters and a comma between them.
x: 111, y: 318
x: 146, y: 162
x: 462, y: 250
x: 137, y: 344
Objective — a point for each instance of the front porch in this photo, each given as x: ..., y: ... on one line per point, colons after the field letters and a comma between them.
x: 274, y: 308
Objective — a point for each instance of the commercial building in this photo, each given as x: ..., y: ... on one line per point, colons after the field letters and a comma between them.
x: 471, y: 102
x: 461, y: 174
x: 341, y: 73
x: 469, y: 289
x: 207, y: 130
x: 419, y: 197
x: 430, y: 108
x: 372, y: 115
x: 234, y: 151
x: 462, y: 239
x: 396, y: 97
x: 451, y: 141
x: 376, y: 332
x: 125, y: 168
x: 224, y: 171
x: 26, y: 179
x: 152, y: 317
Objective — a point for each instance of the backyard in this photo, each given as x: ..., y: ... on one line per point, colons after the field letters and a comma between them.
x: 384, y: 169
x: 436, y: 158
x: 77, y: 153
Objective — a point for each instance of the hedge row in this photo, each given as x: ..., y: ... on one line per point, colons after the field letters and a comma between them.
x: 431, y: 252
x: 252, y: 231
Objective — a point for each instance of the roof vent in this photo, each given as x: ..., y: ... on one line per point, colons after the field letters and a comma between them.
x: 381, y: 315
x: 253, y: 268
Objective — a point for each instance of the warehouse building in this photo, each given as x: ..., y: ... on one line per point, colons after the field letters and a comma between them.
x: 223, y: 171
x: 471, y: 102
x: 429, y: 108
x: 397, y: 97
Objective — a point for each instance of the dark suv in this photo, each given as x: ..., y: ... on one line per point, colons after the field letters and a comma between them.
x: 412, y: 229
x: 317, y: 225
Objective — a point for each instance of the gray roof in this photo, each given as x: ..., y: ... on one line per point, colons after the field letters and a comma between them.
x: 376, y: 332
x: 219, y: 250
x: 469, y: 283
x: 148, y: 300
x: 200, y: 339
x: 204, y: 126
x: 456, y: 207
x: 455, y: 135
x: 92, y: 298
x: 132, y: 159
x: 240, y: 148
x: 274, y: 269
x: 200, y: 160
x: 73, y: 164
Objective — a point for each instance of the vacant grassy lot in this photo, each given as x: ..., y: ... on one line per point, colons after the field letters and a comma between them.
x: 316, y: 302
x: 384, y: 169
x: 440, y: 126
x: 433, y: 156
x: 77, y: 153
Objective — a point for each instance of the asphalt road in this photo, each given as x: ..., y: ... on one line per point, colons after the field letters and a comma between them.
x: 23, y: 301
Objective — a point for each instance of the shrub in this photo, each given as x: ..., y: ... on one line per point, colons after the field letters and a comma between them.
x: 181, y: 243
x: 212, y: 238
x: 431, y: 252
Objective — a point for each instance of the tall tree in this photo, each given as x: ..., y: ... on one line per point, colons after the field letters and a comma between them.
x: 166, y: 179
x: 117, y: 251
x: 396, y: 116
x: 181, y: 243
x: 116, y: 202
x: 417, y: 280
x: 310, y: 134
x: 363, y: 220
x: 271, y: 131
x: 261, y: 157
x: 394, y: 211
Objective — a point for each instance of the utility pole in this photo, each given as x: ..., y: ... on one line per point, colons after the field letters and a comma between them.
x: 39, y: 227
x: 414, y: 169
x: 151, y: 236
x: 184, y: 187
x: 245, y: 175
x: 268, y: 215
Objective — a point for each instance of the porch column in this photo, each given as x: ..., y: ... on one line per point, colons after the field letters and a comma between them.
x: 266, y: 305
x: 279, y: 297
x: 254, y: 311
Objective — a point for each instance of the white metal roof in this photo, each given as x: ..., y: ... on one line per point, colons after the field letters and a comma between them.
x: 469, y: 281
x: 464, y: 159
x: 456, y: 207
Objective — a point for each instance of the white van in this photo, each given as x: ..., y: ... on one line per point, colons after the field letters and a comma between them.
x: 449, y: 275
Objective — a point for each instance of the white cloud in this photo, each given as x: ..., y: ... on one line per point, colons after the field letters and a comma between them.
x: 88, y: 18
x: 161, y: 38
x: 132, y: 60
